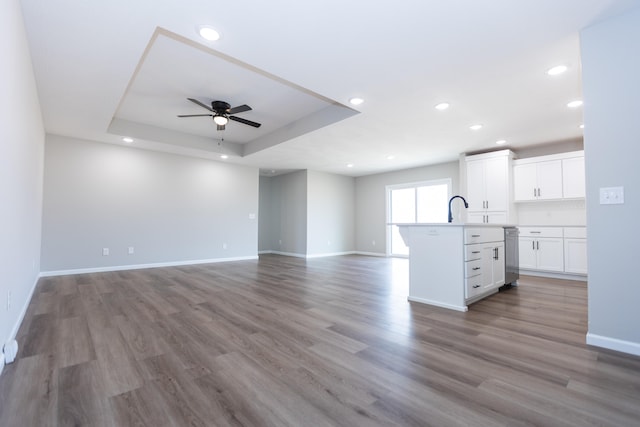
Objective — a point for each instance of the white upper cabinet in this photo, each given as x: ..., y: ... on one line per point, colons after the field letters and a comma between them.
x: 573, y: 178
x: 489, y: 186
x: 538, y: 181
x: 554, y: 177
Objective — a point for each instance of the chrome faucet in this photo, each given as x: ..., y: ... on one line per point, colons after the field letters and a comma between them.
x: 466, y: 205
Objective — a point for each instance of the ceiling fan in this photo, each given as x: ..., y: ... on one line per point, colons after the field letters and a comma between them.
x: 222, y: 113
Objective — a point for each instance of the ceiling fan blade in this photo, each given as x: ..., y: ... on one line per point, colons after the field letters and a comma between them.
x: 245, y: 121
x: 195, y: 101
x: 220, y: 127
x: 239, y: 109
x: 195, y: 115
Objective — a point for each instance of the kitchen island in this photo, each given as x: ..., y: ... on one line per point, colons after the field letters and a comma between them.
x: 453, y: 265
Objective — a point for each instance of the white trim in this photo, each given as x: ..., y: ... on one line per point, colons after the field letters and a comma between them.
x: 23, y: 312
x: 438, y: 303
x: 564, y: 276
x: 289, y: 254
x: 377, y: 254
x: 141, y: 266
x: 629, y: 347
x: 328, y: 254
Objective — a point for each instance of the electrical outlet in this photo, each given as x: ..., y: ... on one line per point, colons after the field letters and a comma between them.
x: 130, y: 250
x: 224, y: 246
x: 105, y: 251
x: 373, y: 242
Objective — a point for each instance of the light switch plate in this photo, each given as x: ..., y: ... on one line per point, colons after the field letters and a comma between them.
x: 612, y: 196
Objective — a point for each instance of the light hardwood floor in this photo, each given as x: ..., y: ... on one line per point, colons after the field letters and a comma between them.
x: 320, y: 342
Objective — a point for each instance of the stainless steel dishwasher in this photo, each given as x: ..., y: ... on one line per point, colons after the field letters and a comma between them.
x: 511, y: 257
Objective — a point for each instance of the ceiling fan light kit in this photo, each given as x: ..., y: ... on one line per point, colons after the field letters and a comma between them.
x: 222, y: 113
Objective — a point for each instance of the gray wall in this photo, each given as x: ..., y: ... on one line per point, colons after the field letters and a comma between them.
x: 371, y: 201
x: 21, y: 157
x: 330, y: 213
x: 288, y: 216
x: 265, y: 207
x: 170, y: 208
x: 611, y: 86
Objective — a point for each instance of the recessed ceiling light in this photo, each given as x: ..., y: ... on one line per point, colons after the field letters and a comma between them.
x: 349, y: 165
x: 501, y: 142
x: 356, y: 101
x: 442, y: 106
x: 558, y: 69
x: 208, y: 33
x: 475, y: 127
x: 224, y: 156
x: 574, y: 104
x: 127, y: 139
x: 391, y: 157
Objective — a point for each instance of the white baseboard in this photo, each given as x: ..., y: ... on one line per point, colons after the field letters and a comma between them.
x: 330, y: 254
x: 564, y: 276
x: 16, y: 325
x: 141, y: 266
x: 629, y: 347
x: 293, y: 254
x: 377, y: 254
x: 438, y: 303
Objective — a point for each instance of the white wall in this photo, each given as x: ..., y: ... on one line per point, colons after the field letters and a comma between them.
x: 371, y: 201
x: 21, y: 154
x: 288, y: 216
x: 171, y: 209
x: 330, y: 213
x: 611, y: 87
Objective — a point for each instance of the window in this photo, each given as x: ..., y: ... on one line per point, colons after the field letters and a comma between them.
x: 411, y: 203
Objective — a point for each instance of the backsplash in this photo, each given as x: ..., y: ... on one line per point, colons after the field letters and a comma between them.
x: 566, y: 212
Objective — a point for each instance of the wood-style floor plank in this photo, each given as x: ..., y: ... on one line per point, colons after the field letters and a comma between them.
x: 285, y: 341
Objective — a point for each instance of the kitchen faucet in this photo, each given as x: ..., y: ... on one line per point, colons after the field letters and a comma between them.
x: 466, y: 205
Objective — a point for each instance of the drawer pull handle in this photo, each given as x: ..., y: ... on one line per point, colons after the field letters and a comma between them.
x: 476, y: 286
x: 536, y: 232
x: 475, y: 252
x: 475, y: 268
x: 475, y: 235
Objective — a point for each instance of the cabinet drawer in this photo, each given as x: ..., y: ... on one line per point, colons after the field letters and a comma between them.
x: 485, y: 234
x: 472, y: 268
x: 473, y: 286
x: 472, y: 252
x: 575, y: 232
x: 540, y: 231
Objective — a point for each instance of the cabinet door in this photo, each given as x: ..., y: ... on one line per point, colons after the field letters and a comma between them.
x: 549, y: 177
x: 550, y: 254
x: 498, y: 265
x: 475, y: 186
x: 573, y: 179
x: 575, y: 256
x: 476, y: 217
x: 527, y: 253
x: 486, y: 267
x: 497, y: 217
x: 524, y: 182
x: 496, y: 182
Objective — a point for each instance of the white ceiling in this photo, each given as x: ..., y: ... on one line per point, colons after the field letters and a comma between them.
x: 115, y: 68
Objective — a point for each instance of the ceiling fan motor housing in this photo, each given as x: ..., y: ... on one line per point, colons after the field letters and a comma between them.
x: 220, y: 107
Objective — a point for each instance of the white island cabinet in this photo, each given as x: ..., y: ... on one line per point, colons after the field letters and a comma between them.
x: 453, y: 265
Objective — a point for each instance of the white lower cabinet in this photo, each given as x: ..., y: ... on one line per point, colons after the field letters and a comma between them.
x: 541, y: 248
x: 484, y: 261
x: 575, y: 250
x: 553, y: 249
